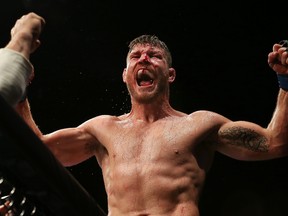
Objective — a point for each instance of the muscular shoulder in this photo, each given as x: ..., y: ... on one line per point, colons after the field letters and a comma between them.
x: 207, y: 123
x: 208, y: 118
x: 101, y: 121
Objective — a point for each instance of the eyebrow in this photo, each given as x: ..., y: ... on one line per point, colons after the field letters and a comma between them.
x: 149, y: 51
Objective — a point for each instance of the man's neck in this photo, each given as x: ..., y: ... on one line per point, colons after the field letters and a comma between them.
x: 150, y: 112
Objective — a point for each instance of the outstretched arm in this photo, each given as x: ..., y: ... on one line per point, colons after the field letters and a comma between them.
x: 248, y: 141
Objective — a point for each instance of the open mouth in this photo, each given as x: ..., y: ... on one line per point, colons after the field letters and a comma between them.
x: 143, y: 78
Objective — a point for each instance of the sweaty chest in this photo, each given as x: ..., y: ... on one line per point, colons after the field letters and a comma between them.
x: 152, y: 142
x: 141, y: 156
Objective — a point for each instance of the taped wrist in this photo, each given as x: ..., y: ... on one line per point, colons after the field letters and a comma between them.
x: 15, y: 71
x: 283, y: 81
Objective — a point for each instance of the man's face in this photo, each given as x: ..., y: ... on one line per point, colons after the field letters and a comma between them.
x: 147, y: 73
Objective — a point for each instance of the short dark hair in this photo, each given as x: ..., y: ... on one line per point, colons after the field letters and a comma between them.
x: 154, y: 41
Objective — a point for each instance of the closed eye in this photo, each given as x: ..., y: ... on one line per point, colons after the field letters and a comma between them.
x: 135, y: 56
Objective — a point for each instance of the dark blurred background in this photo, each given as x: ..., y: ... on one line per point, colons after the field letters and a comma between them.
x: 220, y: 56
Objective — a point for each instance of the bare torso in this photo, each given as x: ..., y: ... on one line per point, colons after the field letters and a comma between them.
x: 153, y: 168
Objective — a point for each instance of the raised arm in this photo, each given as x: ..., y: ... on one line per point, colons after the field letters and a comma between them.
x: 24, y: 41
x: 278, y: 61
x: 253, y: 142
x: 15, y: 68
x: 71, y: 145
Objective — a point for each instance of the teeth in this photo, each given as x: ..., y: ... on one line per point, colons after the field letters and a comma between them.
x: 146, y: 83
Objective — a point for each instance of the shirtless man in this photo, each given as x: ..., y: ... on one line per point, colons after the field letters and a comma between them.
x: 154, y: 159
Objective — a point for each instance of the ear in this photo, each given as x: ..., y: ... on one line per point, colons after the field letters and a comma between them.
x: 172, y: 75
x: 124, y: 75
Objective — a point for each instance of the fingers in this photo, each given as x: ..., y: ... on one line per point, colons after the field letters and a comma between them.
x: 30, y: 23
x: 278, y: 58
x: 283, y: 56
x: 25, y: 33
x: 4, y: 210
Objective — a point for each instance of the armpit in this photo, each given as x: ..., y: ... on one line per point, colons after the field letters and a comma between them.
x: 90, y: 148
x: 244, y: 137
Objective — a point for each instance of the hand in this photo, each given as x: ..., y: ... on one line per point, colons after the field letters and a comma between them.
x: 25, y: 34
x: 3, y: 210
x: 278, y: 59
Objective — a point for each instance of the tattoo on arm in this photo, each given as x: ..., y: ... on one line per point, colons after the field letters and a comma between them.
x: 245, y: 137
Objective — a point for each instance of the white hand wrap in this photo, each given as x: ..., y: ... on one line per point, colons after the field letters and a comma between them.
x: 15, y: 71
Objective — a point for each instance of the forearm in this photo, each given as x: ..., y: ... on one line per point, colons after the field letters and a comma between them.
x: 24, y: 111
x: 278, y: 126
x: 15, y: 71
